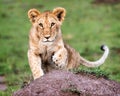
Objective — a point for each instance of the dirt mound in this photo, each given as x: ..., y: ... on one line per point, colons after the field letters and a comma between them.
x: 63, y: 83
x: 106, y: 1
x: 3, y: 85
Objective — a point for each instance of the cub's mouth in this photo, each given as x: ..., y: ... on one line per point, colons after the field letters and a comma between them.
x: 47, y: 40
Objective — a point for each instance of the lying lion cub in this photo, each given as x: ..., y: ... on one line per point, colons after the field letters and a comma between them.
x: 47, y: 50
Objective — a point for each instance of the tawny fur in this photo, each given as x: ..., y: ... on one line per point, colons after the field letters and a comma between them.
x: 47, y: 50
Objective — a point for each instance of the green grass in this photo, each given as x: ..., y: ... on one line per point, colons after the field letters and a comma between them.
x: 91, y: 71
x: 86, y: 27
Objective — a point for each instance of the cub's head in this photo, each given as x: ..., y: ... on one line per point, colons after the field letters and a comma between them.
x: 47, y: 24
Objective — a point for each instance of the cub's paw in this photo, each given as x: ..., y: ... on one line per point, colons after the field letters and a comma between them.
x: 59, y: 60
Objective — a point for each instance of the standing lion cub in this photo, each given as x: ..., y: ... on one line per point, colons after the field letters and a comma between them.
x: 47, y: 50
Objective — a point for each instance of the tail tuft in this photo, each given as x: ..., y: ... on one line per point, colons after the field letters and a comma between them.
x: 103, y: 47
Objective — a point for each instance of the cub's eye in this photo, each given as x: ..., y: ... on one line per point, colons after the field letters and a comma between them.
x: 52, y: 24
x: 41, y: 25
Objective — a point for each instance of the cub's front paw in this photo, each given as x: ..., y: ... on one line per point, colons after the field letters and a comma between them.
x: 59, y: 60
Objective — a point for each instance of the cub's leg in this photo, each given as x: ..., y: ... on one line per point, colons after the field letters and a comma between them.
x: 35, y: 64
x: 60, y: 58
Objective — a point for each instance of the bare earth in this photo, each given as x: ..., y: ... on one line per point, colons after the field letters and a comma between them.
x: 63, y: 83
x: 3, y: 86
x: 106, y: 1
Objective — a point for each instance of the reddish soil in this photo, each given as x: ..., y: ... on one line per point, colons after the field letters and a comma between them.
x: 106, y: 1
x: 3, y: 86
x: 63, y: 83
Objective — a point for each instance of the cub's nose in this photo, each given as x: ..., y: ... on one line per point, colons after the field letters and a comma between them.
x: 47, y: 36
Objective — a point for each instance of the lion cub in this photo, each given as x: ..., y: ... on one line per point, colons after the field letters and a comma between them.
x: 47, y: 50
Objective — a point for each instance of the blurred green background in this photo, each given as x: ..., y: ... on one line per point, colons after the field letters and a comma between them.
x: 86, y: 27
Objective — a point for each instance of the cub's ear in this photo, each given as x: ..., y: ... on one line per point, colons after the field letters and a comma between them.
x: 59, y: 13
x: 33, y: 14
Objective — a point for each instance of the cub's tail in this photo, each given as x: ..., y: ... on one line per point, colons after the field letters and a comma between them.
x: 98, y: 62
